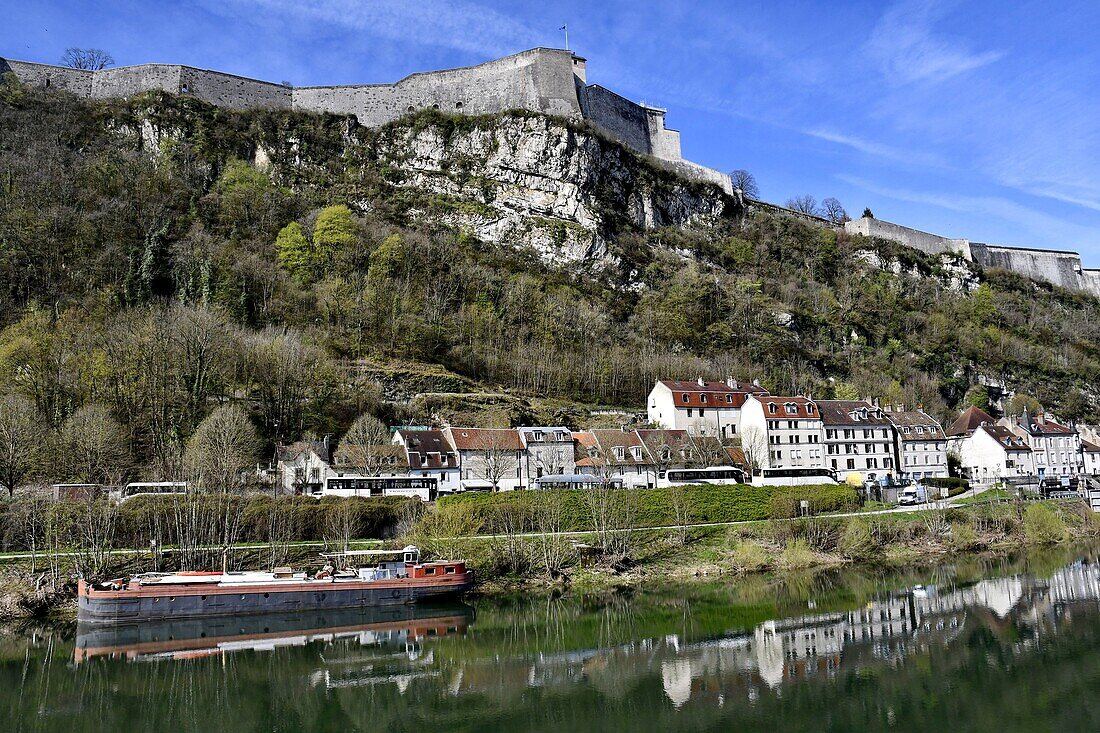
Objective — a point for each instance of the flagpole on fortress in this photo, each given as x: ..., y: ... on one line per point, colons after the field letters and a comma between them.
x: 566, y: 29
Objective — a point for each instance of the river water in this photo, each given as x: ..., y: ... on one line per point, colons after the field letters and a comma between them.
x: 973, y: 645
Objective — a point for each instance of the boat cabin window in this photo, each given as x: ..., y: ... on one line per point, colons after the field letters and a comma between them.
x: 429, y: 571
x: 410, y: 557
x: 450, y: 570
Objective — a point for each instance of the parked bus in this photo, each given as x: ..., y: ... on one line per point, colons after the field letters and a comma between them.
x: 793, y: 476
x: 715, y: 475
x: 425, y: 488
x: 148, y: 488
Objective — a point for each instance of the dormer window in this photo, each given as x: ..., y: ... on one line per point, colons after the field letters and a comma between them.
x: 538, y: 436
x: 792, y: 408
x: 620, y: 452
x: 810, y: 409
x: 729, y: 398
x: 905, y: 430
x: 920, y: 430
x: 685, y: 398
x: 703, y: 398
x: 636, y: 453
x: 773, y: 408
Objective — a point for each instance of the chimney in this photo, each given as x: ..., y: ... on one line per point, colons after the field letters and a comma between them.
x: 700, y: 381
x: 731, y: 383
x: 756, y: 383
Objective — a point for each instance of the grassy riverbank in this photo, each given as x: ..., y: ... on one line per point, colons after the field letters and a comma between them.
x: 604, y: 539
x: 509, y: 561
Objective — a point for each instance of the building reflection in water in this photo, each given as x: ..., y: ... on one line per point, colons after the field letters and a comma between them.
x: 397, y: 646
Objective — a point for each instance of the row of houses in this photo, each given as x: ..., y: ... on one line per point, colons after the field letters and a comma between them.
x: 850, y: 437
x: 1020, y: 446
x: 505, y: 459
x: 706, y: 424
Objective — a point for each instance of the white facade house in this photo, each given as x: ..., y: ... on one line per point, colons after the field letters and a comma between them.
x: 859, y: 439
x: 303, y: 466
x: 1090, y: 456
x: 920, y: 444
x: 430, y: 454
x: 548, y: 451
x: 1055, y: 448
x: 993, y: 452
x: 700, y: 407
x: 781, y: 432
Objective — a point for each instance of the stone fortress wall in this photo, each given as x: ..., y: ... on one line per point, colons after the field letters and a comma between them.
x: 1061, y: 268
x: 544, y: 80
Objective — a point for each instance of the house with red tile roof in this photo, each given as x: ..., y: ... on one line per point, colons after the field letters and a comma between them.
x: 858, y: 438
x: 1055, y: 448
x: 993, y: 452
x: 489, y: 458
x: 615, y: 453
x: 781, y: 432
x: 700, y: 407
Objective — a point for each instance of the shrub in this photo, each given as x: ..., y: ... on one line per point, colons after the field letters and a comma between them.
x: 857, y: 541
x: 796, y: 555
x: 1043, y: 525
x: 963, y: 536
x: 749, y: 557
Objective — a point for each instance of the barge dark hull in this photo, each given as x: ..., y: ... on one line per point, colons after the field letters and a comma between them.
x: 188, y: 602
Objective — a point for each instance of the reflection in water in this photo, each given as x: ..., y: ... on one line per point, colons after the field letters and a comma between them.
x: 838, y: 651
x: 386, y: 628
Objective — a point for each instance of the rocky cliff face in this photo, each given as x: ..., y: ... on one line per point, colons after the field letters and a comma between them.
x: 520, y: 179
x: 541, y: 183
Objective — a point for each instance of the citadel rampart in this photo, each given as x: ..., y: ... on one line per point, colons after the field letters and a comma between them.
x: 544, y: 80
x: 1060, y: 268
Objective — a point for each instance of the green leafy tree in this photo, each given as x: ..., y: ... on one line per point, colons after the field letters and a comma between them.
x: 1020, y: 402
x: 977, y: 396
x: 294, y: 253
x: 845, y: 391
x: 333, y: 230
x: 982, y: 305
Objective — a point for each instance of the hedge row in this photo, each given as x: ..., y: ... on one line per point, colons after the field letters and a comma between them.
x: 486, y: 512
x: 298, y: 518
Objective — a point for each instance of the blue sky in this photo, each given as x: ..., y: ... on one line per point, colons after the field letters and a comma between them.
x: 977, y: 120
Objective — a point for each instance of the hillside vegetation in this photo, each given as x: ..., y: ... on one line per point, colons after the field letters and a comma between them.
x: 159, y: 256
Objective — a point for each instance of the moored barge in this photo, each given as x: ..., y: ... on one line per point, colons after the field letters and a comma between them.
x: 396, y: 577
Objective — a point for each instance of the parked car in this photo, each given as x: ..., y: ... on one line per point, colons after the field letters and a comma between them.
x: 910, y: 496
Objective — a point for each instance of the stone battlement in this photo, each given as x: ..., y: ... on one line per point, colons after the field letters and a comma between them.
x: 543, y: 80
x: 1058, y: 267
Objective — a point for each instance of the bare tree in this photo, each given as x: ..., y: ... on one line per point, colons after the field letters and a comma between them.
x: 366, y: 445
x: 707, y: 448
x: 21, y: 434
x: 548, y: 519
x: 834, y: 211
x: 803, y: 204
x: 223, y: 445
x: 89, y: 59
x: 662, y: 454
x: 754, y: 444
x: 681, y: 510
x: 92, y: 446
x: 745, y: 182
x: 341, y: 522
x: 497, y: 460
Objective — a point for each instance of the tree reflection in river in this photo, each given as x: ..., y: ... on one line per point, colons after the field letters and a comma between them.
x: 980, y: 645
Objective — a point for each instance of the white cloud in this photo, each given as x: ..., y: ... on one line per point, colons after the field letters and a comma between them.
x: 877, y: 149
x: 904, y: 45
